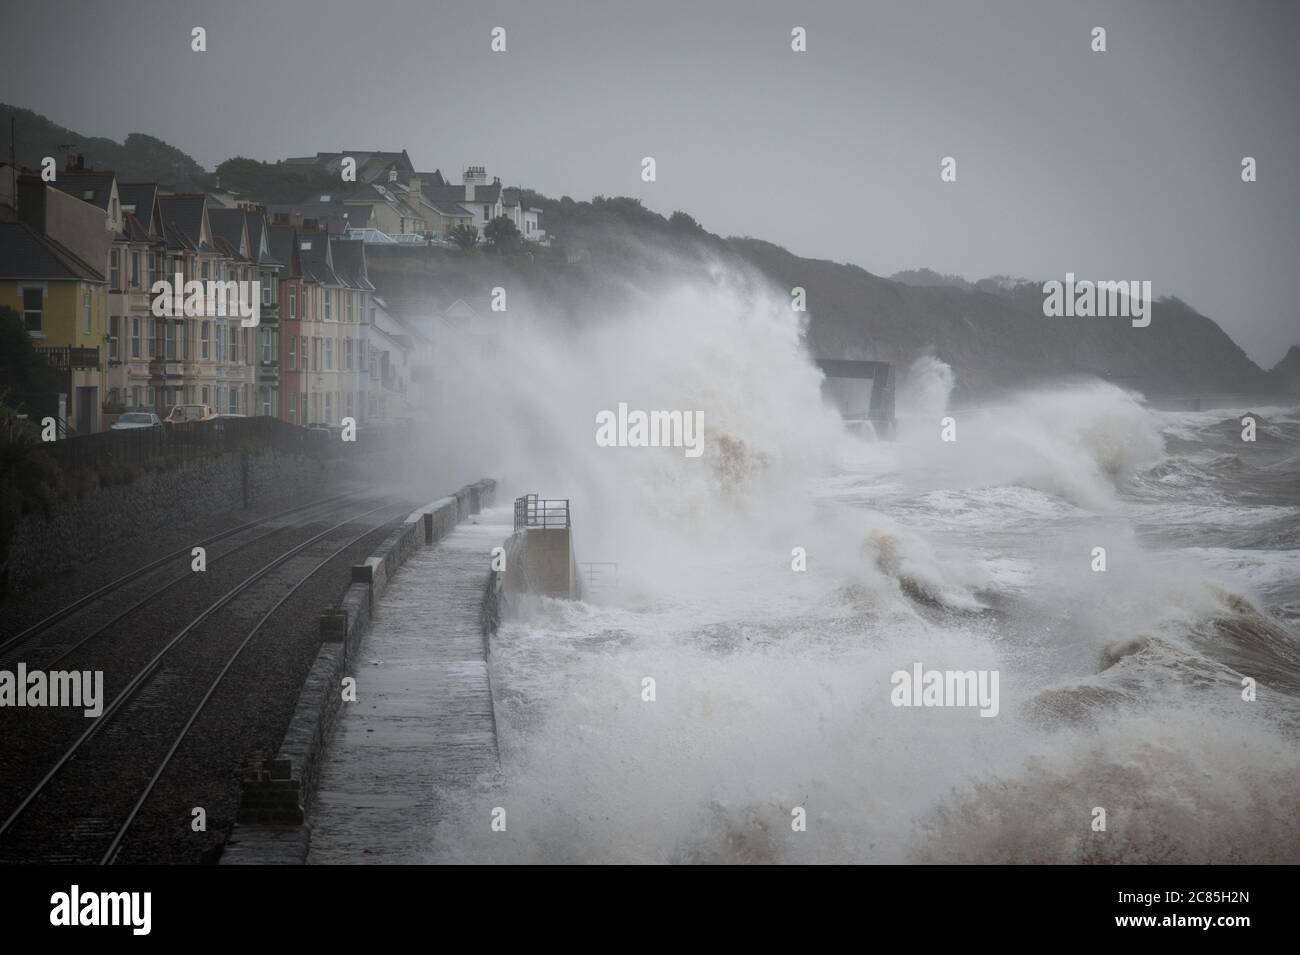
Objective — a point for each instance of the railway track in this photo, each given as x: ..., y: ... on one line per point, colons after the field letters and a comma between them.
x: 181, y: 556
x: 84, y: 806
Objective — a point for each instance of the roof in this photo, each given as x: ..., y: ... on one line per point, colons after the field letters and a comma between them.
x: 229, y: 232
x: 428, y: 178
x: 133, y: 230
x: 91, y: 186
x: 26, y: 254
x: 138, y: 194
x: 350, y: 262
x: 313, y: 252
x: 256, y: 222
x: 183, y: 220
x: 282, y: 239
x: 482, y: 193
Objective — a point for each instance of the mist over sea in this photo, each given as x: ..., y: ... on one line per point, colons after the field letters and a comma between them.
x: 1119, y: 689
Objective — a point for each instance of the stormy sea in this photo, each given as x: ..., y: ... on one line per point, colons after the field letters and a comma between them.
x: 1132, y: 576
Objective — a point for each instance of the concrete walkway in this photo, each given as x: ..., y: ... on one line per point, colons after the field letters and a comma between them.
x: 423, y: 716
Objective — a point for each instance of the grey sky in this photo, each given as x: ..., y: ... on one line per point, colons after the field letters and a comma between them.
x: 1122, y: 165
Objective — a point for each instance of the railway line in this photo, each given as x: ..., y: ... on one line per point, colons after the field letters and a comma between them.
x: 199, y: 669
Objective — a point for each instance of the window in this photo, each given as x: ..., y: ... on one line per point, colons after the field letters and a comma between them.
x: 234, y: 344
x: 348, y: 405
x: 169, y: 330
x: 293, y: 301
x: 153, y: 341
x: 329, y: 304
x: 267, y: 339
x: 347, y: 354
x: 85, y: 312
x: 329, y: 407
x: 347, y: 304
x: 329, y: 354
x: 266, y: 402
x: 148, y: 395
x: 206, y: 394
x: 204, y: 270
x: 135, y: 270
x: 293, y: 352
x: 234, y: 401
x: 293, y: 407
x: 155, y: 259
x: 115, y: 269
x: 33, y: 309
x: 266, y: 292
x: 487, y: 213
x: 114, y: 326
x: 205, y: 344
x: 135, y: 338
x: 315, y: 353
x: 361, y: 355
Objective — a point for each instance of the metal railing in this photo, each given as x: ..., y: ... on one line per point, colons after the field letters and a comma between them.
x: 532, y: 511
x: 70, y: 357
x: 598, y: 576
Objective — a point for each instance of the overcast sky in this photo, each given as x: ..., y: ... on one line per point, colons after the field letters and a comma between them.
x: 1115, y: 165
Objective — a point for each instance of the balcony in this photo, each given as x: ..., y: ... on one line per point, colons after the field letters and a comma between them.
x: 70, y: 358
x: 163, y: 370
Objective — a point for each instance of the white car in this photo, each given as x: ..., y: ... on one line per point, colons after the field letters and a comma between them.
x: 136, y: 419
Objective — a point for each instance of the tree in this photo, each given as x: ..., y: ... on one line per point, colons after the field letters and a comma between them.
x: 465, y: 236
x: 502, y: 234
x: 23, y: 370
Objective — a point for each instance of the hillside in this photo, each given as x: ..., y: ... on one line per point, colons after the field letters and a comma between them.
x: 141, y: 158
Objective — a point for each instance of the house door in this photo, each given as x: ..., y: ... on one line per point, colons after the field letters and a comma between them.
x: 87, y: 406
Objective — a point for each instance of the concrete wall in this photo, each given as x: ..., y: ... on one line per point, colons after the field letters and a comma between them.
x: 278, y: 792
x: 540, y: 560
x: 43, y: 548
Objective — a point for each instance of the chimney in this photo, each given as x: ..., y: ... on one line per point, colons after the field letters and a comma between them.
x: 469, y: 190
x: 414, y: 186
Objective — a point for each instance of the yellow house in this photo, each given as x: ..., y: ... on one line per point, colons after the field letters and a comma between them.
x: 62, y: 302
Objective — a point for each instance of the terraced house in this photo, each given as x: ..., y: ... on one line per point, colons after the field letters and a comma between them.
x: 282, y: 240
x: 211, y: 355
x: 135, y: 262
x: 349, y: 258
x: 241, y: 236
x: 318, y: 342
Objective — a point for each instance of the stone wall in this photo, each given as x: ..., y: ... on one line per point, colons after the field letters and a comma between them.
x: 79, y: 530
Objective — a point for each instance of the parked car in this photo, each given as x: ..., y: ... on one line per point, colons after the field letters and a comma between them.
x: 132, y: 420
x: 185, y: 413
